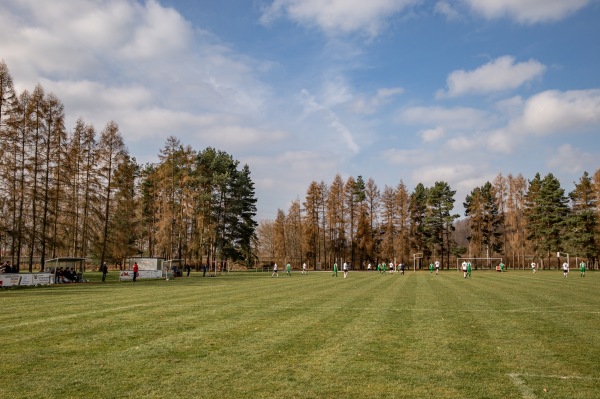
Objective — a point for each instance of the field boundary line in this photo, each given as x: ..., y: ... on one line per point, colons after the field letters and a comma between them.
x: 527, y: 392
x: 556, y: 377
x: 551, y: 309
x: 522, y: 386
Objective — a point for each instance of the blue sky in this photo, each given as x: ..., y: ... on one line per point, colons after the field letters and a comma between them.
x: 300, y: 90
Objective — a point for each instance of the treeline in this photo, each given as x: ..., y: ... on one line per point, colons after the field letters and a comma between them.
x: 72, y: 193
x: 512, y: 218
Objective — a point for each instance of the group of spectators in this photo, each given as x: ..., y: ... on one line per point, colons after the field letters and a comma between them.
x: 66, y: 275
x: 7, y: 268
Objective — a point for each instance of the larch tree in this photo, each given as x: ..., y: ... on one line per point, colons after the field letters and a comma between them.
x: 312, y: 221
x: 336, y: 219
x: 111, y: 154
x: 403, y: 220
x: 36, y: 116
x: 90, y: 209
x: 279, y: 233
x: 20, y: 126
x: 361, y: 220
x: 373, y: 203
x: 9, y: 151
x: 294, y: 228
x: 389, y: 213
x: 169, y: 178
x: 266, y: 240
x: 68, y: 219
x: 515, y: 220
x: 325, y: 249
x: 53, y: 138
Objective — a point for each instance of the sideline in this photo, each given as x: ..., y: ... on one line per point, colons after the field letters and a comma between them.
x: 527, y: 392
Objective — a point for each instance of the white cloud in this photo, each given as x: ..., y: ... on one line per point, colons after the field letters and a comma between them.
x: 448, y: 118
x: 387, y: 92
x: 548, y: 113
x: 77, y: 95
x: 510, y: 106
x: 280, y: 177
x: 502, y: 141
x: 570, y: 160
x: 337, y: 16
x: 446, y: 9
x: 464, y: 143
x: 311, y: 105
x: 553, y: 111
x: 368, y: 105
x: 62, y: 37
x: 458, y: 171
x: 180, y: 80
x: 498, y: 75
x: 335, y: 91
x: 160, y: 32
x: 430, y: 135
x: 405, y: 157
x: 239, y: 137
x: 527, y: 11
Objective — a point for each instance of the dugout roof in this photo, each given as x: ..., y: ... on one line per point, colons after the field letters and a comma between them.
x: 64, y: 262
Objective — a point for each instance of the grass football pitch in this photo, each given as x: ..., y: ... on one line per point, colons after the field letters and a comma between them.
x: 248, y: 335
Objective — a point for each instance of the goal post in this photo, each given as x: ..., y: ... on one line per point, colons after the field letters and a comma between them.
x: 488, y: 262
x: 415, y: 257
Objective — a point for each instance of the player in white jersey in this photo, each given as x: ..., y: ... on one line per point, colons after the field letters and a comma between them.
x: 565, y: 269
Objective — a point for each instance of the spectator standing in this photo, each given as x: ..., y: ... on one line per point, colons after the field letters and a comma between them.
x: 104, y: 270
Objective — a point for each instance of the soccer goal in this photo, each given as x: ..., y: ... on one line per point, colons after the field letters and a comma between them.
x: 479, y: 263
x: 415, y: 257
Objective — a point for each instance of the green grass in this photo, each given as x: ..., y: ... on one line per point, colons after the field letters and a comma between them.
x: 247, y: 335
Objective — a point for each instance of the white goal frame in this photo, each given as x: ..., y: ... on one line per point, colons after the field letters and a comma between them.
x: 460, y: 260
x: 416, y: 256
